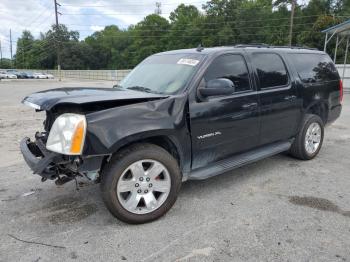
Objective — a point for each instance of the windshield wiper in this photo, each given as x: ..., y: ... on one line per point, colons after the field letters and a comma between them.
x: 141, y: 88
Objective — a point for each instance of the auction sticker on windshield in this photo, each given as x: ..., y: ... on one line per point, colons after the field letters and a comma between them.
x: 188, y: 61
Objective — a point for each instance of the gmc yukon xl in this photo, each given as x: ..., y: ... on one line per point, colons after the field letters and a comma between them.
x: 184, y: 114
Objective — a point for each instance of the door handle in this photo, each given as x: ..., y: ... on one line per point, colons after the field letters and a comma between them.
x: 288, y: 98
x: 250, y: 105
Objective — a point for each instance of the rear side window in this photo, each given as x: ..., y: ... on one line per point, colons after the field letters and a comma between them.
x: 314, y: 68
x: 271, y: 70
x: 232, y: 67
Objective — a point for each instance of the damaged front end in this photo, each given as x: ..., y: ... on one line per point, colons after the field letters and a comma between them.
x: 62, y: 152
x: 56, y: 153
x: 55, y: 166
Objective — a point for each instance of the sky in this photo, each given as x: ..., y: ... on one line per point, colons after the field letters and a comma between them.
x: 84, y: 16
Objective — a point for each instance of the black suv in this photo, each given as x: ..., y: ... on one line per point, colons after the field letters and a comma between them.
x: 185, y: 114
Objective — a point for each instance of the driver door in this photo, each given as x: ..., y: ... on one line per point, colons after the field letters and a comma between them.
x: 222, y: 126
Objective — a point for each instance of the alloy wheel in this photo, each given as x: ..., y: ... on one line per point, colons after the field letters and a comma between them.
x: 144, y: 186
x: 313, y: 138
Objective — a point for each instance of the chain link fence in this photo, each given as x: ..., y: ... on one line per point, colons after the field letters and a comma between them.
x: 110, y: 75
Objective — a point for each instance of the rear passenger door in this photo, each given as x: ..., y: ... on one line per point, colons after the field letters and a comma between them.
x: 224, y: 125
x: 280, y: 107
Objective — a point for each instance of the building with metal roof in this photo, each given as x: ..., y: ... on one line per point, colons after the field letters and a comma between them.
x: 342, y: 33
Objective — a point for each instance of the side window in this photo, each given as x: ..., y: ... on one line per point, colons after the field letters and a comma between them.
x: 313, y: 68
x: 232, y: 67
x: 271, y: 70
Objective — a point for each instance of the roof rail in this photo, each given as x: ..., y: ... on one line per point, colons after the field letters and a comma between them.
x: 294, y: 47
x: 252, y: 45
x: 273, y: 46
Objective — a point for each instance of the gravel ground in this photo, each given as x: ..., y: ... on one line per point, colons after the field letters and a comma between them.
x: 278, y: 209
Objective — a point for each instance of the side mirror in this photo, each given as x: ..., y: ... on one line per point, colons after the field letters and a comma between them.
x: 217, y: 87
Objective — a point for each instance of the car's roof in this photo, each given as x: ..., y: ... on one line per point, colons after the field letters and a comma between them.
x: 211, y: 50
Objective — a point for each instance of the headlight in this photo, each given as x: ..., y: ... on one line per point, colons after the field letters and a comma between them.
x: 67, y: 134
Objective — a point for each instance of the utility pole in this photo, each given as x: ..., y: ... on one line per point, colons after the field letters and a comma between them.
x: 23, y: 57
x: 57, y: 42
x: 11, y: 47
x: 291, y: 21
x: 158, y: 10
x: 0, y: 54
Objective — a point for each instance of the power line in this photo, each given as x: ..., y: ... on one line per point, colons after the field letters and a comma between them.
x: 37, y: 17
x: 43, y: 20
x: 228, y: 22
x: 119, y: 5
x: 226, y: 16
x: 189, y: 36
x: 207, y: 29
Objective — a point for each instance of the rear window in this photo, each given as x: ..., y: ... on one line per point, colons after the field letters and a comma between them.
x: 314, y: 68
x: 271, y: 70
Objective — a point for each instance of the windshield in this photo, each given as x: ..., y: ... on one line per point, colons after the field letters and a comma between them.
x: 162, y: 74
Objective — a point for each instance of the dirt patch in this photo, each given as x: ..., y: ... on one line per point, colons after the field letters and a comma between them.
x: 68, y: 210
x: 314, y: 202
x: 293, y: 164
x: 318, y: 203
x: 73, y: 215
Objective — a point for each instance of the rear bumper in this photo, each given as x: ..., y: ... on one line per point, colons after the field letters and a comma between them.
x: 334, y: 113
x: 38, y: 158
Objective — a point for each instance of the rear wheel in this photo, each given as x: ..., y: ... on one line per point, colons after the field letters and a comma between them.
x: 308, y: 142
x: 140, y: 183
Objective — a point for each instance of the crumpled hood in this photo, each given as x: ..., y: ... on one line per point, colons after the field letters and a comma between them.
x: 45, y: 100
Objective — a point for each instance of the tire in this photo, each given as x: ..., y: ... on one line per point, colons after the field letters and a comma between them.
x: 300, y: 148
x: 117, y: 173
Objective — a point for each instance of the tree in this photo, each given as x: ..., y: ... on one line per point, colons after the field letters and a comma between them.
x: 149, y: 36
x: 5, y: 63
x: 24, y: 46
x: 185, y: 27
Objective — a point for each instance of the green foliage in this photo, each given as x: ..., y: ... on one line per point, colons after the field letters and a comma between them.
x: 5, y: 63
x: 223, y: 22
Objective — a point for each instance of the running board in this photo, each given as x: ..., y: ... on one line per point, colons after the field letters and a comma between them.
x: 239, y: 160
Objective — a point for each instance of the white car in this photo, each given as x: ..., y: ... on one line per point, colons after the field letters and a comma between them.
x: 39, y: 76
x: 2, y: 75
x: 7, y: 75
x: 49, y: 76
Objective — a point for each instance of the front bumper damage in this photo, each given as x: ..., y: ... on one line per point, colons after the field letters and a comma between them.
x: 39, y: 159
x: 51, y: 165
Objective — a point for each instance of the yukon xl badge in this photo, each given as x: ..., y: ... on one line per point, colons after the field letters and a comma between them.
x: 209, y: 135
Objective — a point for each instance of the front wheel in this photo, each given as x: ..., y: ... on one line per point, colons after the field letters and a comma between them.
x: 309, y: 140
x: 140, y: 183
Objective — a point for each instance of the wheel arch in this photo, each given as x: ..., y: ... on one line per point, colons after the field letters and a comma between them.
x: 319, y: 108
x: 166, y: 141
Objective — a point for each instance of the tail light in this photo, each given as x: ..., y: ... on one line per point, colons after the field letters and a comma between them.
x: 341, y: 91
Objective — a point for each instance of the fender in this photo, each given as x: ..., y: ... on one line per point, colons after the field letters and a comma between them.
x: 318, y: 103
x: 109, y: 130
x: 313, y: 96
